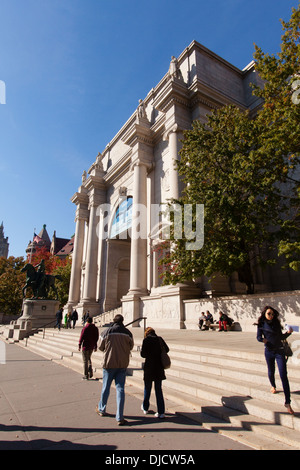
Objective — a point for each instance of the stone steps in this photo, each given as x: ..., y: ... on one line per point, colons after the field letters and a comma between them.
x: 226, y: 390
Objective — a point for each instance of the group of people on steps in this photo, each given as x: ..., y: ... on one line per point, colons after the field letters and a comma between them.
x: 116, y: 343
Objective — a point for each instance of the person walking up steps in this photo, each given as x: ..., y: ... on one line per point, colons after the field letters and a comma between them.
x: 88, y: 341
x: 116, y: 342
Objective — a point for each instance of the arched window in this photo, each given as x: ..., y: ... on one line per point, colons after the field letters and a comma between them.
x: 122, y: 220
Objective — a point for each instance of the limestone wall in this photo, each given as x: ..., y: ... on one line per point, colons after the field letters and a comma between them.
x: 245, y: 309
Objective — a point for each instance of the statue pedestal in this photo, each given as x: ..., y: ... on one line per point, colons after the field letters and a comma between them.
x: 39, y: 312
x: 36, y: 314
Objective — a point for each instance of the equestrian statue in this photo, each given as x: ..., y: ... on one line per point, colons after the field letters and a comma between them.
x: 39, y: 281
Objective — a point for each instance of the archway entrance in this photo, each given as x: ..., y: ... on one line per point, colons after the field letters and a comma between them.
x: 118, y: 256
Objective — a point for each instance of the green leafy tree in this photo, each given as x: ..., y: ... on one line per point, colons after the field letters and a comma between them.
x: 279, y: 121
x: 11, y: 284
x: 244, y: 171
x: 220, y: 169
x: 64, y: 271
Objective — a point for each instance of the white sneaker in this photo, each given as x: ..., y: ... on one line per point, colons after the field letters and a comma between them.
x: 144, y: 411
x: 157, y: 415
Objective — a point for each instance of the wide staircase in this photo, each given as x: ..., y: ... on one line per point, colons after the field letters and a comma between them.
x: 213, y: 379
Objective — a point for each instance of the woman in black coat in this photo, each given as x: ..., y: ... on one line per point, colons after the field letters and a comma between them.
x: 153, y: 370
x: 269, y: 332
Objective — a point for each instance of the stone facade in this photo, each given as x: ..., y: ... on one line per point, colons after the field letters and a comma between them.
x: 110, y: 268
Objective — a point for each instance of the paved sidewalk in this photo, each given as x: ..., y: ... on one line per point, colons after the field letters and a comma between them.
x: 44, y: 405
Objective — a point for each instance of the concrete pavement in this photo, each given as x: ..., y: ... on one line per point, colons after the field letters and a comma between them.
x: 44, y: 405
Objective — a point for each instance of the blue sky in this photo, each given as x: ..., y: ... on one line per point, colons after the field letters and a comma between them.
x: 74, y: 71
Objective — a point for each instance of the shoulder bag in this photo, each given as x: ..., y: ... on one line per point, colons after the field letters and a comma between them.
x: 165, y: 358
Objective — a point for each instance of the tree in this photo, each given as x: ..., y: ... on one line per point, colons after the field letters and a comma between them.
x: 64, y: 271
x: 220, y: 169
x: 11, y: 284
x: 244, y: 171
x: 279, y: 120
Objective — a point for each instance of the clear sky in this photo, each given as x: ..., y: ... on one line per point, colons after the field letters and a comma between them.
x: 74, y: 71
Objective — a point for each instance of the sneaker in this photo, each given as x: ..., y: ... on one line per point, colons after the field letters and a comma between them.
x: 144, y: 411
x: 100, y: 413
x: 161, y: 416
x: 123, y: 422
x: 85, y: 378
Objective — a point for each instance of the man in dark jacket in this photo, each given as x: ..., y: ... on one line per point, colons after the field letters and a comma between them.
x: 74, y: 317
x: 116, y: 342
x: 59, y: 316
x: 88, y: 341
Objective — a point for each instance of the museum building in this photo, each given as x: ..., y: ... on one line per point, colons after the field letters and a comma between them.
x: 122, y: 190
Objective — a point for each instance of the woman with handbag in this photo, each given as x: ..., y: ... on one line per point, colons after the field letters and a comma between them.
x: 269, y: 332
x: 153, y: 370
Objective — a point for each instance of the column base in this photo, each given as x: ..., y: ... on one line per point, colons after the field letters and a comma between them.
x: 84, y: 306
x: 131, y: 310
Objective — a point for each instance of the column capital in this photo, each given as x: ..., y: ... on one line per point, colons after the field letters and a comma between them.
x: 141, y: 162
x: 172, y: 129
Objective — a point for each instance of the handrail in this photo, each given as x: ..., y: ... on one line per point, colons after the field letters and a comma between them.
x: 43, y: 327
x: 34, y: 330
x: 138, y: 319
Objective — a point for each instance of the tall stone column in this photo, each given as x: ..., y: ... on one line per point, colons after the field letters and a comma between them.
x: 101, y: 272
x: 138, y: 266
x: 95, y: 186
x: 90, y: 283
x: 172, y: 136
x: 81, y: 199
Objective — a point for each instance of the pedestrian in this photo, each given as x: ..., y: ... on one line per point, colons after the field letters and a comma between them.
x: 223, y: 321
x: 74, y: 317
x: 208, y: 320
x: 66, y: 320
x: 201, y: 320
x: 88, y: 341
x: 59, y: 316
x: 153, y: 370
x: 269, y: 332
x: 116, y: 342
x: 85, y: 317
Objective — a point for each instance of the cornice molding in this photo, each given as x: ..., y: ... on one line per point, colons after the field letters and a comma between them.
x: 174, y: 92
x: 80, y: 198
x: 140, y: 132
x: 94, y: 182
x: 119, y: 168
x: 200, y: 92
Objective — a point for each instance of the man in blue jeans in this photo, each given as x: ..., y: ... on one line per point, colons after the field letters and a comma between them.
x: 116, y: 342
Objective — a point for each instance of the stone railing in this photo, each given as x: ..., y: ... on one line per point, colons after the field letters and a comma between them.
x: 106, y: 317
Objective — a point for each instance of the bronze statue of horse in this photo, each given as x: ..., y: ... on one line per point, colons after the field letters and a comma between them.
x: 40, y: 285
